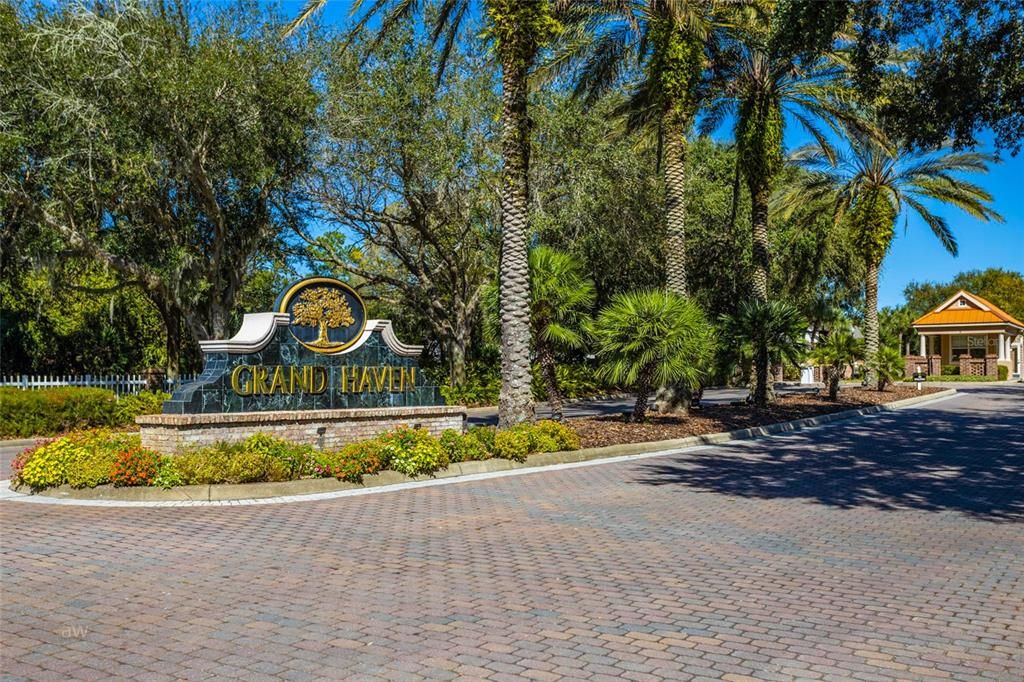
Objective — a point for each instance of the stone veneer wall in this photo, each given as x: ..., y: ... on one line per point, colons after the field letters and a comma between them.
x: 324, y: 429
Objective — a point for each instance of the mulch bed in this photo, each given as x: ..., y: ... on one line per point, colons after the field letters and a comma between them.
x: 615, y: 430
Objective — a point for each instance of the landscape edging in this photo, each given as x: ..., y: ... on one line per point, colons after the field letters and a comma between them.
x: 311, y: 486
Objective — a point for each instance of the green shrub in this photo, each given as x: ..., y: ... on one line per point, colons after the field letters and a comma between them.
x: 512, y: 444
x: 564, y: 437
x: 1004, y: 372
x: 950, y: 370
x: 351, y: 463
x: 540, y: 440
x: 956, y: 378
x: 250, y: 466
x: 484, y: 434
x: 203, y: 466
x: 133, y: 466
x: 889, y: 366
x: 297, y: 458
x: 462, y: 447
x: 54, y: 410
x: 22, y: 458
x: 574, y: 381
x: 369, y: 454
x: 413, y: 452
x: 144, y: 402
x: 92, y: 458
x: 167, y: 474
x: 480, y: 387
x: 47, y: 467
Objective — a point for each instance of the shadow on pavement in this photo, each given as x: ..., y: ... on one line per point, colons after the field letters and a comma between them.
x: 970, y: 461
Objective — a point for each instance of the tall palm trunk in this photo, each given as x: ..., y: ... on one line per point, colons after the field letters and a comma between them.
x: 515, y: 403
x: 759, y: 193
x: 871, y: 322
x: 759, y: 222
x: 674, y: 173
x: 675, y: 398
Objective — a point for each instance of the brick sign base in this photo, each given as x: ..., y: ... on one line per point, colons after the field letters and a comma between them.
x: 323, y: 429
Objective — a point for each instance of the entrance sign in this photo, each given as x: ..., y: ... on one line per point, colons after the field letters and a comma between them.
x: 316, y: 351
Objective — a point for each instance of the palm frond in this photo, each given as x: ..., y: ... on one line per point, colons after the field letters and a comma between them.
x: 938, y: 225
x: 308, y: 10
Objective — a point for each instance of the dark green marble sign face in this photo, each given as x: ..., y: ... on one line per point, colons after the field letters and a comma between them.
x: 279, y: 362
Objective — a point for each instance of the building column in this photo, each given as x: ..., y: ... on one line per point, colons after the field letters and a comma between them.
x: 924, y: 345
x: 1002, y: 346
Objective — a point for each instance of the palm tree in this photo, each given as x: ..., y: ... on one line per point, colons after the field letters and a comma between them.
x: 839, y: 350
x: 767, y: 330
x: 760, y: 89
x: 760, y: 84
x: 518, y: 28
x: 670, y: 45
x: 871, y: 187
x: 561, y: 295
x: 649, y: 338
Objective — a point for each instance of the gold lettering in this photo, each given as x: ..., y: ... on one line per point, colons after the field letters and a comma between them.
x: 379, y: 374
x: 318, y: 381
x: 365, y: 381
x: 296, y: 377
x: 391, y: 379
x: 277, y: 382
x: 236, y: 384
x: 259, y: 381
x: 412, y: 379
x: 350, y: 378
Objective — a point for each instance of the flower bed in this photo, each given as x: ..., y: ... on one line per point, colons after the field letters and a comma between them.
x: 615, y: 430
x: 87, y: 459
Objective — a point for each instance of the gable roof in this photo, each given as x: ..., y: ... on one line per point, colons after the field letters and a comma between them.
x: 978, y: 311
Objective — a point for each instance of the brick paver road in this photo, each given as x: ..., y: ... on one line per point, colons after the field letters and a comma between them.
x: 890, y: 547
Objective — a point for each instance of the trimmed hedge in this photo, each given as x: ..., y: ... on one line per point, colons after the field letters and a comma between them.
x: 954, y: 377
x: 51, y: 411
x: 90, y: 458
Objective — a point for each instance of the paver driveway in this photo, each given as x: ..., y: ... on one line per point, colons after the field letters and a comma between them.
x: 881, y: 548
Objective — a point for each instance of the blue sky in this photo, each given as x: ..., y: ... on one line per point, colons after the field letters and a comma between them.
x: 916, y: 255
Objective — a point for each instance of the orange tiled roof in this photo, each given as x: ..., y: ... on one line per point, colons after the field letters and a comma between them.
x: 950, y: 315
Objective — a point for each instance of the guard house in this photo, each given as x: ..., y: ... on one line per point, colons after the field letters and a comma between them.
x: 971, y: 332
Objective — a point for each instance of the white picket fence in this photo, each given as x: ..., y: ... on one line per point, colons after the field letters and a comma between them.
x: 121, y: 384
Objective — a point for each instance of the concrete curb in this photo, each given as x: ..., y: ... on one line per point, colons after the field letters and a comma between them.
x: 311, y: 489
x: 22, y: 442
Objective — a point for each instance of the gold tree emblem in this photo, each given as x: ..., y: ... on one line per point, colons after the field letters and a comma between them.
x: 322, y: 307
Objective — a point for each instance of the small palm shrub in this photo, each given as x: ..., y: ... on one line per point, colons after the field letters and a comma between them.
x: 889, y: 366
x: 650, y: 338
x: 760, y: 333
x: 837, y: 352
x: 134, y: 466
